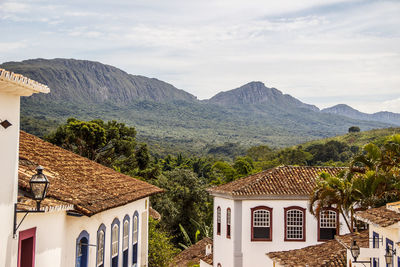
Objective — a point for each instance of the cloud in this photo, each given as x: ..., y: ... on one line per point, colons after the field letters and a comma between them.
x: 307, y: 48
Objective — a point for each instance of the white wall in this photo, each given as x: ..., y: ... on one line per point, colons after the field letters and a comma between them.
x: 56, y: 235
x: 254, y: 252
x: 9, y: 140
x: 223, y: 247
x: 392, y: 233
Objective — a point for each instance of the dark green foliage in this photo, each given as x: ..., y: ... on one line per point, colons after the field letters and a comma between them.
x: 354, y: 129
x: 332, y: 150
x: 184, y: 199
x: 161, y: 249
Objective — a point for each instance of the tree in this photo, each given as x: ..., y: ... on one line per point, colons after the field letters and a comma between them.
x: 354, y: 129
x: 185, y: 198
x: 161, y: 249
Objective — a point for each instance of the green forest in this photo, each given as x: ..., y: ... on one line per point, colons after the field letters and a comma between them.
x: 185, y: 206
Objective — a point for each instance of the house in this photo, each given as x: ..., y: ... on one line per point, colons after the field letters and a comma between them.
x: 91, y: 216
x: 384, y: 234
x: 12, y: 86
x: 197, y: 254
x: 269, y: 211
x: 331, y: 253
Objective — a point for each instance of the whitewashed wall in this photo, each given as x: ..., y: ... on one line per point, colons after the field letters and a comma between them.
x: 223, y: 247
x: 9, y: 140
x: 254, y: 253
x: 56, y: 235
x: 391, y: 232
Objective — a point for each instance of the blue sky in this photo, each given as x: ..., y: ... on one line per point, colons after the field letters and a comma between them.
x: 322, y: 52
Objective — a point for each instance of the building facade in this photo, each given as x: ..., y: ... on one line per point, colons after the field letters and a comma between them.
x: 269, y: 211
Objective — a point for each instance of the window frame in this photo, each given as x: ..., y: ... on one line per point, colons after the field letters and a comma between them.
x: 303, y: 210
x: 219, y: 219
x: 319, y: 223
x: 114, y: 224
x: 228, y: 223
x: 135, y: 215
x: 83, y: 234
x: 102, y: 228
x: 270, y: 223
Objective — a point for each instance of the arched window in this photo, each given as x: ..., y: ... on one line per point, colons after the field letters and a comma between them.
x: 218, y: 221
x: 219, y: 265
x: 101, y: 234
x: 228, y: 223
x: 328, y: 223
x: 82, y: 243
x: 261, y: 223
x: 295, y: 224
x: 125, y: 241
x: 114, y: 243
x: 135, y: 237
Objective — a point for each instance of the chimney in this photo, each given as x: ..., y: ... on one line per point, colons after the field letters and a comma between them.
x: 208, y: 249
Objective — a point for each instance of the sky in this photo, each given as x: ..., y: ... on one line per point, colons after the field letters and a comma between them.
x: 323, y: 52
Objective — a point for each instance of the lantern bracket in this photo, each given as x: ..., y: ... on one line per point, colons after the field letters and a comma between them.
x: 16, y: 224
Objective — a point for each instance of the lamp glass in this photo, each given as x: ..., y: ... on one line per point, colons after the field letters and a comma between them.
x: 39, y: 184
x: 388, y: 257
x: 355, y: 250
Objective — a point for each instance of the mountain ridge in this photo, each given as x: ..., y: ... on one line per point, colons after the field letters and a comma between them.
x: 348, y: 111
x: 167, y: 116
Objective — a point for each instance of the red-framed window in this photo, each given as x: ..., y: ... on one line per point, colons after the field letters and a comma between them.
x: 26, y: 248
x: 328, y: 224
x: 228, y: 223
x: 295, y: 223
x: 261, y: 223
x: 219, y: 221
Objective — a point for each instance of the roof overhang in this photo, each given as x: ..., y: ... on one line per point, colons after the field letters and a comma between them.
x: 258, y: 197
x: 17, y: 84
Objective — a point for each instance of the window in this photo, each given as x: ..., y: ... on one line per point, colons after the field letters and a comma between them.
x: 295, y: 222
x: 327, y: 224
x: 125, y: 241
x: 82, y: 243
x: 100, y: 246
x: 218, y: 221
x: 135, y: 239
x: 219, y: 265
x: 228, y: 223
x: 114, y: 243
x: 261, y: 224
x: 375, y: 240
x: 389, y: 245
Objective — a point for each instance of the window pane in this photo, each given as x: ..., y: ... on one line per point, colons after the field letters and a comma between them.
x: 135, y: 230
x: 294, y: 224
x: 261, y: 232
x: 261, y: 218
x: 100, y: 248
x: 327, y: 219
x: 125, y: 238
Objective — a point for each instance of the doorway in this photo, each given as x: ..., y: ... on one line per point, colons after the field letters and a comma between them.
x: 26, y: 248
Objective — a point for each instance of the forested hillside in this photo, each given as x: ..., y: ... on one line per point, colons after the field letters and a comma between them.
x: 169, y: 119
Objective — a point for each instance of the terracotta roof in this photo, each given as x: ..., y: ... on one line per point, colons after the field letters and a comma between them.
x: 48, y: 204
x: 89, y: 186
x: 284, y: 180
x: 193, y: 254
x: 330, y: 253
x: 379, y: 216
x: 362, y: 239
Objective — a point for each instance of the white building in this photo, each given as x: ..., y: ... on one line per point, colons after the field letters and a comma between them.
x: 384, y: 236
x: 266, y: 212
x: 93, y: 215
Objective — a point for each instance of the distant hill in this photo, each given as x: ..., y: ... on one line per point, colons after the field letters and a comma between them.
x: 169, y: 119
x: 257, y: 93
x: 84, y: 81
x: 345, y: 110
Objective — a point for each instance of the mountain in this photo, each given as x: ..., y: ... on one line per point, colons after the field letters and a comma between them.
x: 257, y: 93
x: 92, y: 82
x: 347, y: 111
x: 169, y: 119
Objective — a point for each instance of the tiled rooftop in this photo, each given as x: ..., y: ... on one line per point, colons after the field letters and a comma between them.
x: 330, y: 253
x: 90, y: 187
x: 381, y: 216
x: 193, y: 254
x: 9, y: 81
x: 284, y: 180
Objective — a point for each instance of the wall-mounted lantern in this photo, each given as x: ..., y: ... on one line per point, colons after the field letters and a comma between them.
x: 355, y: 252
x: 39, y: 185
